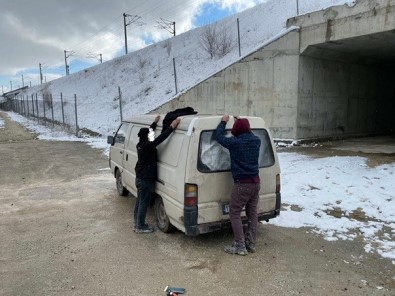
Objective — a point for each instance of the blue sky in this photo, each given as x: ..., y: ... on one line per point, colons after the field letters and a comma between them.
x: 40, y: 41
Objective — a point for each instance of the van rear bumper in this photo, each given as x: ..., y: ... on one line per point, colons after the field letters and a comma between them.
x: 194, y: 230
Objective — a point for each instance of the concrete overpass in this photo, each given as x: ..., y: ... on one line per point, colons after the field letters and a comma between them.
x: 331, y: 75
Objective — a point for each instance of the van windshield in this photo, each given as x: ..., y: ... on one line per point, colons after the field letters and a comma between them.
x: 214, y: 158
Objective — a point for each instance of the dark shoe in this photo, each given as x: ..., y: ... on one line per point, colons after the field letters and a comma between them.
x: 250, y: 248
x: 236, y: 250
x: 145, y: 229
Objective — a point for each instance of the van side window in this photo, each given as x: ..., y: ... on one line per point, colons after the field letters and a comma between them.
x: 266, y: 155
x: 213, y: 157
x: 121, y: 133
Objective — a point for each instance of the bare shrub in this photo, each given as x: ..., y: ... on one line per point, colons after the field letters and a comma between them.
x: 47, y: 96
x: 225, y: 43
x: 209, y: 39
x: 216, y: 43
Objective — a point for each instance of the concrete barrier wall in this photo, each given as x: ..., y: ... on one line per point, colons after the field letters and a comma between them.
x: 263, y: 84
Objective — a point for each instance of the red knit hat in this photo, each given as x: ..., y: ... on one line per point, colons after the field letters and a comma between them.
x: 241, y: 126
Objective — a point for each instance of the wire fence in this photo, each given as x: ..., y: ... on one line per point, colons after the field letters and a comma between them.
x: 47, y: 111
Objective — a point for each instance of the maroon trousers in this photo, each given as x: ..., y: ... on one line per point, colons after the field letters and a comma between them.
x: 244, y: 195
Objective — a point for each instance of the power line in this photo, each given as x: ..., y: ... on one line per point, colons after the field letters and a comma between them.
x: 114, y: 28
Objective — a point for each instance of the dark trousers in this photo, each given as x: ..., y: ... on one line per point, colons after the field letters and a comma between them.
x: 144, y: 193
x: 244, y: 195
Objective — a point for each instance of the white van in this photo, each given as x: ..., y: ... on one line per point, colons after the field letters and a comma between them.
x: 194, y: 179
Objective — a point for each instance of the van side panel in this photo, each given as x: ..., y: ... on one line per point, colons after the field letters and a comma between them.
x: 172, y: 161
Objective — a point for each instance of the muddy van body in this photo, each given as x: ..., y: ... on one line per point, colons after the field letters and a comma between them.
x: 194, y: 180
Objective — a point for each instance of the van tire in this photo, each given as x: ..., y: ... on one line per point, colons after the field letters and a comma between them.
x: 122, y: 191
x: 162, y: 220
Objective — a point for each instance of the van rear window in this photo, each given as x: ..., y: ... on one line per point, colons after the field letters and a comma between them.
x: 214, y: 158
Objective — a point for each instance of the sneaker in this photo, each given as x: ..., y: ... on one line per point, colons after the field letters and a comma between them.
x: 250, y: 247
x: 145, y: 229
x: 236, y: 250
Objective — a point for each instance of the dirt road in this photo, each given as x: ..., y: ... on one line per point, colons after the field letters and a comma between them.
x: 64, y: 231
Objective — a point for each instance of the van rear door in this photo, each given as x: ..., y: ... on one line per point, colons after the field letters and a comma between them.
x: 217, y: 182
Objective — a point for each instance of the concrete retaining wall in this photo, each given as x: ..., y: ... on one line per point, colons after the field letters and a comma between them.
x: 263, y: 84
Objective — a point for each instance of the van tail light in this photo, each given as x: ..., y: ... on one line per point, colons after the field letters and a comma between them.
x: 278, y: 183
x: 190, y: 195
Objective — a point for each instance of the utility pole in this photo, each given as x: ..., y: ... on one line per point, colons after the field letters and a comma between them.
x: 67, y: 53
x: 2, y: 89
x: 167, y: 25
x: 41, y: 74
x: 11, y: 84
x: 23, y: 83
x: 99, y: 56
x: 127, y: 20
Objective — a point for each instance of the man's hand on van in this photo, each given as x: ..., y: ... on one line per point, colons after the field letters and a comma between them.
x: 157, y: 118
x: 225, y: 118
x: 175, y: 122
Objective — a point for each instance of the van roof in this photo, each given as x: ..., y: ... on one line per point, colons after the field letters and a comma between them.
x: 198, y: 121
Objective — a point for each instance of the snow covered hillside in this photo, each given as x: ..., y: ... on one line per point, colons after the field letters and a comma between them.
x: 146, y: 77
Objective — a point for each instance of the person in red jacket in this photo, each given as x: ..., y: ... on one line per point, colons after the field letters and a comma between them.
x: 147, y: 172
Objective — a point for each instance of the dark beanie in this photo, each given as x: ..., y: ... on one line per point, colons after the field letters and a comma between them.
x: 240, y: 126
x: 143, y: 133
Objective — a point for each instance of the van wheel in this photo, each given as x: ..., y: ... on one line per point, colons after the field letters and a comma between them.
x: 162, y: 220
x: 122, y: 191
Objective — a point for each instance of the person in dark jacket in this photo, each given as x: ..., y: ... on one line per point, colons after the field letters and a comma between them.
x: 146, y: 172
x: 244, y: 149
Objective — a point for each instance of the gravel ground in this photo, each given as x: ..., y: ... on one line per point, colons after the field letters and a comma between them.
x: 64, y: 231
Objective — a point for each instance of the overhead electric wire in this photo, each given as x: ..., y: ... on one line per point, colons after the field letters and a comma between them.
x: 148, y: 8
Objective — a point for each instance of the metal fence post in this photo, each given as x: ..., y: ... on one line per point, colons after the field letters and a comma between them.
x: 38, y: 117
x: 53, y: 119
x: 76, y: 116
x: 61, y: 101
x: 120, y: 101
x: 27, y: 103
x: 238, y: 36
x: 45, y: 116
x: 175, y: 74
x: 32, y: 105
